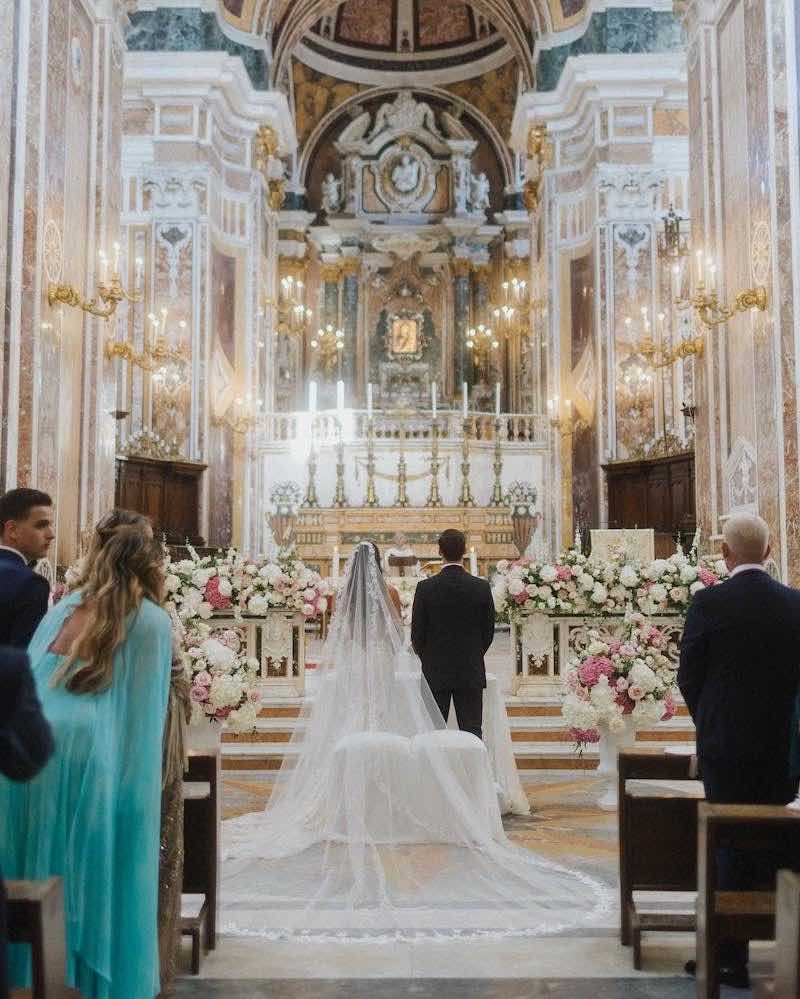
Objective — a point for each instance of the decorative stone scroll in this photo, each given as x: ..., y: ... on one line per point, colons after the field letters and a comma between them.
x: 277, y: 641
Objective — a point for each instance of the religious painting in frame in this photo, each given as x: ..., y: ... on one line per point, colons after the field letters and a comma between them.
x: 405, y: 336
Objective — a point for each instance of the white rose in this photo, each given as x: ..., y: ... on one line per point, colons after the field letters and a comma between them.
x: 688, y: 573
x: 629, y: 577
x: 515, y: 587
x: 658, y: 593
x: 225, y: 587
x: 172, y: 583
x: 547, y: 574
x: 257, y: 604
x: 656, y: 569
x: 597, y: 648
x: 308, y: 610
x: 531, y: 589
x: 679, y: 594
x: 586, y: 582
x: 642, y: 676
x: 599, y: 594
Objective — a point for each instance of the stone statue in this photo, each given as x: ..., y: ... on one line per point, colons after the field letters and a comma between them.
x: 405, y: 175
x: 479, y: 193
x: 331, y: 194
x: 462, y: 176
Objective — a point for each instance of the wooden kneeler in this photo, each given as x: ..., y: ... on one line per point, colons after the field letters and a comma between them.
x: 36, y: 917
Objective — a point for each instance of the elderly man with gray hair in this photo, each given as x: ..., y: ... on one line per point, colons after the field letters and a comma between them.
x: 739, y: 673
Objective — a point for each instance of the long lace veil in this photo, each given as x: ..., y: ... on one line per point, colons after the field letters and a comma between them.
x: 382, y: 823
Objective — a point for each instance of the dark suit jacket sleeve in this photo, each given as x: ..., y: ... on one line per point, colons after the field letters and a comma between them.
x: 29, y: 609
x: 694, y: 656
x: 25, y: 739
x: 488, y: 624
x: 419, y: 621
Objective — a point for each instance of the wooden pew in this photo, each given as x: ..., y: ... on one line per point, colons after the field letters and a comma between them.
x: 36, y: 917
x: 786, y: 984
x: 201, y: 837
x: 657, y: 839
x: 735, y: 915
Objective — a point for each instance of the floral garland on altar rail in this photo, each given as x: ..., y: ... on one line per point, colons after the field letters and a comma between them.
x: 573, y: 583
x: 223, y: 679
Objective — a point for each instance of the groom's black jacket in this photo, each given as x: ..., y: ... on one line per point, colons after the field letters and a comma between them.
x: 452, y: 626
x: 739, y: 671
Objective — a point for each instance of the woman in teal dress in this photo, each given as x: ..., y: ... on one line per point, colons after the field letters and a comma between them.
x: 101, y: 659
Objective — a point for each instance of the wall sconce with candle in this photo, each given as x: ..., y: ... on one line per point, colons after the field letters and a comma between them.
x: 706, y: 304
x: 242, y: 415
x: 110, y: 292
x: 557, y: 420
x: 157, y: 354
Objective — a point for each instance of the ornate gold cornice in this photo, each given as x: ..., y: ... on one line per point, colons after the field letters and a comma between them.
x: 350, y: 265
x: 292, y: 267
x: 482, y: 273
x: 331, y: 272
x: 461, y: 266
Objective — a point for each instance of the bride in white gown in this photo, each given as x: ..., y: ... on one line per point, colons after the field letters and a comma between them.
x: 383, y: 823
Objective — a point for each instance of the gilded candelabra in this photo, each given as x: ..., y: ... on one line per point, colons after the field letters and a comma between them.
x: 434, y: 499
x: 241, y: 416
x: 311, y: 500
x: 402, y: 478
x: 109, y: 292
x: 712, y: 313
x: 497, y: 490
x: 466, y: 492
x: 371, y: 497
x: 340, y: 499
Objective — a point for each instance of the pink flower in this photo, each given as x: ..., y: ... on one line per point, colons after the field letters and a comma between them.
x: 670, y: 708
x: 635, y: 692
x: 254, y: 696
x: 624, y: 702
x: 584, y: 735
x: 563, y: 573
x: 222, y: 713
x: 614, y: 646
x: 198, y: 693
x: 214, y: 597
x: 593, y: 668
x: 521, y: 598
x: 706, y: 577
x: 656, y: 638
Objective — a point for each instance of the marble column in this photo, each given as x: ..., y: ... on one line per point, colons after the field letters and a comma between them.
x: 462, y: 357
x: 350, y: 284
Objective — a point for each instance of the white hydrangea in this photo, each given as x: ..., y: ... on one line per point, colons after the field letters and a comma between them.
x: 244, y: 718
x: 597, y: 648
x: 502, y: 565
x: 688, y: 573
x: 586, y: 582
x: 226, y: 691
x: 515, y: 586
x: 629, y: 577
x: 257, y: 604
x: 656, y: 569
x: 579, y: 713
x: 658, y: 592
x: 201, y: 576
x: 225, y: 587
x: 548, y: 574
x: 642, y: 676
x: 220, y: 657
x: 172, y: 583
x: 599, y: 594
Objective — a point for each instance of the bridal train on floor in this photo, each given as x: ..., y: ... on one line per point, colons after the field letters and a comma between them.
x: 383, y: 823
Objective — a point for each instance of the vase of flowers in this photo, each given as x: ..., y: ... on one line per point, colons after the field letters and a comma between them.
x: 616, y: 683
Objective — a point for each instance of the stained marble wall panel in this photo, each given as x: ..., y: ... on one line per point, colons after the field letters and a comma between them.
x: 585, y: 501
x: 221, y: 442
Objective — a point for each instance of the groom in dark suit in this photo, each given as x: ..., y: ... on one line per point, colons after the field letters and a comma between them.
x: 452, y: 627
x: 739, y: 673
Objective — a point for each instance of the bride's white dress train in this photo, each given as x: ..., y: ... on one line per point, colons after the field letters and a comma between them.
x: 386, y: 825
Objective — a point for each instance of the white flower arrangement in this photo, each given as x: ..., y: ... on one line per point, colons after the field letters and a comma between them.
x: 615, y: 677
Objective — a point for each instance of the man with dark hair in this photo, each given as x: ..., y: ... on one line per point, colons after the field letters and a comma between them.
x: 26, y: 744
x: 452, y: 627
x: 26, y: 532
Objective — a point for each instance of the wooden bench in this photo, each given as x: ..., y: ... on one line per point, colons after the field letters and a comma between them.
x: 786, y: 984
x: 36, y: 917
x: 657, y: 838
x: 735, y: 915
x: 201, y: 837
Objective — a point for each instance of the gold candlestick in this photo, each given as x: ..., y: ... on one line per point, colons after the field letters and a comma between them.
x: 434, y: 499
x: 466, y: 492
x: 340, y: 499
x: 497, y: 490
x: 371, y: 498
x: 402, y: 498
x: 311, y: 499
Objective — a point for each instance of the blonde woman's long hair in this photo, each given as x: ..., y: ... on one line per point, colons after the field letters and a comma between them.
x: 121, y: 568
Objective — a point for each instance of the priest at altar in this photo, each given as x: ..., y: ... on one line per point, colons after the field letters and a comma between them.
x: 400, y: 559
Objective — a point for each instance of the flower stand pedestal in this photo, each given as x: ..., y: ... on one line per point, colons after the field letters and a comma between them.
x: 609, y: 746
x: 205, y: 735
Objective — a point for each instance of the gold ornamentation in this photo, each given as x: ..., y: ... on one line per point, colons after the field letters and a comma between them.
x: 151, y: 358
x: 276, y: 194
x: 712, y: 313
x: 659, y: 357
x: 497, y: 468
x: 110, y: 294
x: 147, y: 444
x: 330, y: 272
x: 266, y: 145
x: 461, y: 267
x: 434, y: 498
x: 350, y: 266
x: 536, y: 141
x: 466, y: 498
x: 530, y: 193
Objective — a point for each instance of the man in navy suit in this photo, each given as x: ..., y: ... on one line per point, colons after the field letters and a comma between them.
x: 452, y: 627
x: 739, y: 673
x: 25, y: 746
x: 26, y: 532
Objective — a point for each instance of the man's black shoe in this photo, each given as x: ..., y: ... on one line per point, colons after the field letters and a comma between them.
x: 737, y: 978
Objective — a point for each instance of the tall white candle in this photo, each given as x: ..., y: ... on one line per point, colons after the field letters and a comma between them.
x: 497, y: 400
x: 465, y: 399
x: 473, y: 561
x: 103, y: 267
x: 116, y: 259
x: 369, y: 399
x: 340, y: 395
x: 139, y: 272
x: 433, y: 399
x: 335, y: 572
x: 312, y: 397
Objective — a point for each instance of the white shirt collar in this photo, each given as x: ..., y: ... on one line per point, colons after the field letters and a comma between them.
x: 460, y: 565
x: 8, y: 548
x: 746, y: 567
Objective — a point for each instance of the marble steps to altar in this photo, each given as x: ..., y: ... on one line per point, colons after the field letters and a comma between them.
x: 541, y: 741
